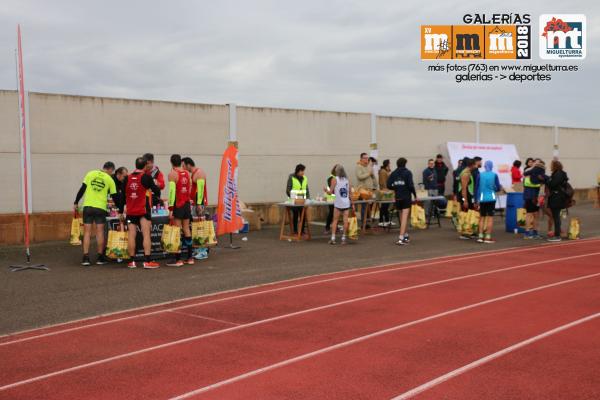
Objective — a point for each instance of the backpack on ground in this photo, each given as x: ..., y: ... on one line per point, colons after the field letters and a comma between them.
x: 569, y: 193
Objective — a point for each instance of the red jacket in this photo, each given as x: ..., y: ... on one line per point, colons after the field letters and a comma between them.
x: 516, y: 174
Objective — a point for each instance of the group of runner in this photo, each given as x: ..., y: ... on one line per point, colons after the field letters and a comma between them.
x: 141, y: 190
x: 476, y: 190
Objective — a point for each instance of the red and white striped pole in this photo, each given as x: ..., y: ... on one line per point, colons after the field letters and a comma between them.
x: 24, y: 149
x: 24, y: 153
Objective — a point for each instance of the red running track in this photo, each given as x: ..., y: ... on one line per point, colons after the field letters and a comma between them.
x: 374, y: 333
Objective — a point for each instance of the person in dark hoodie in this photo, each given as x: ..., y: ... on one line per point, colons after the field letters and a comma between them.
x: 478, y: 164
x: 441, y: 170
x: 535, y: 177
x: 401, y: 182
x: 299, y: 183
x: 456, y: 177
x: 120, y: 177
x: 557, y: 198
x: 430, y: 177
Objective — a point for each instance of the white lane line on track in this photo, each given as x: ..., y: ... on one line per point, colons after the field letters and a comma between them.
x: 205, y: 318
x: 443, y: 259
x: 370, y: 336
x: 280, y: 317
x: 491, y: 357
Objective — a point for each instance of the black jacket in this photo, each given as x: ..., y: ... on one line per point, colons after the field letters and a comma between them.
x: 442, y: 170
x: 401, y: 182
x: 556, y: 186
x: 119, y: 197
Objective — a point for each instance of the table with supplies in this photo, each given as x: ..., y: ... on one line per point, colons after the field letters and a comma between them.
x: 287, y: 219
x: 203, y: 236
x: 287, y: 229
x: 156, y: 230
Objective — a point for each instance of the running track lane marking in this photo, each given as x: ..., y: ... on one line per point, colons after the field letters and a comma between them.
x: 280, y: 317
x: 370, y: 336
x: 204, y: 317
x: 491, y: 357
x: 403, y: 267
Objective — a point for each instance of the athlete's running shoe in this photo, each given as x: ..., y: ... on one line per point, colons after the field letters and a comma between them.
x: 177, y: 263
x: 131, y: 264
x: 331, y: 241
x: 480, y: 240
x: 151, y: 265
x: 489, y: 241
x: 101, y: 260
x: 86, y: 261
x: 464, y: 237
x: 401, y: 242
x: 190, y: 261
x: 554, y: 239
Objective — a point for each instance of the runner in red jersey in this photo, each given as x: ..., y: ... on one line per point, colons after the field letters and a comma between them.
x: 199, y: 193
x: 180, y: 190
x: 158, y: 177
x: 138, y: 210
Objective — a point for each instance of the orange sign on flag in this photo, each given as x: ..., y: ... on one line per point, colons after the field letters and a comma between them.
x: 229, y: 215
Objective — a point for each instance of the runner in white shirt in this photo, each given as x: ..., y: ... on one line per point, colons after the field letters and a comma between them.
x: 340, y: 186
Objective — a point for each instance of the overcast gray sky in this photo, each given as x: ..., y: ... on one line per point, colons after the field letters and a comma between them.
x: 335, y: 55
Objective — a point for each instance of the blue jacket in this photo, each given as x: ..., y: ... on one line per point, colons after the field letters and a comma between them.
x: 430, y: 180
x: 487, y: 186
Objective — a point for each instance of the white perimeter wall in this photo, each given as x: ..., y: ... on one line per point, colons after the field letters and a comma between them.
x: 73, y: 134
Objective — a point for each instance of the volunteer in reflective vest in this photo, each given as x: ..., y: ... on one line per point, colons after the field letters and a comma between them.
x: 466, y: 185
x: 535, y: 177
x: 330, y: 196
x: 180, y: 189
x: 297, y: 187
x: 138, y: 211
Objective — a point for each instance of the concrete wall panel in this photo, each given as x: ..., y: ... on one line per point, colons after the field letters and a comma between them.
x: 90, y: 125
x: 10, y: 183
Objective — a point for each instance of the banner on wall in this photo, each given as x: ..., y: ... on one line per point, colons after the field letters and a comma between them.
x: 229, y: 215
x: 502, y: 155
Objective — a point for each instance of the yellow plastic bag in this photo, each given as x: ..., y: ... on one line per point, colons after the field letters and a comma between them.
x: 452, y: 209
x: 203, y: 234
x: 521, y: 213
x: 352, y: 228
x: 574, y: 228
x: 76, y: 231
x: 116, y: 244
x: 171, y: 238
x: 462, y: 226
x: 417, y: 217
x: 473, y: 220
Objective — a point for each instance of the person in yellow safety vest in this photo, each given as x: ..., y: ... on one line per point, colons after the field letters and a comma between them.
x: 535, y: 177
x: 330, y: 199
x: 297, y: 185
